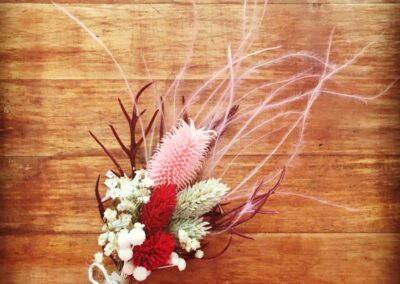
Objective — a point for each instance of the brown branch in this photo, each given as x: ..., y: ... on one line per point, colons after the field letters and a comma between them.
x: 234, y: 231
x: 143, y: 111
x: 132, y: 121
x: 124, y: 111
x: 124, y: 148
x: 141, y: 92
x: 121, y: 172
x: 98, y: 198
x: 219, y: 121
x: 221, y: 252
x: 229, y: 219
x: 233, y: 110
x: 162, y: 119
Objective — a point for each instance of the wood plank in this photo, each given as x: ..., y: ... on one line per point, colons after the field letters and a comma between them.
x: 57, y: 195
x: 55, y: 48
x: 56, y: 84
x: 276, y: 258
x: 200, y: 2
x: 43, y: 118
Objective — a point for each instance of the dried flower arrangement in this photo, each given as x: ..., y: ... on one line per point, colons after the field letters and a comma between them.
x: 158, y: 215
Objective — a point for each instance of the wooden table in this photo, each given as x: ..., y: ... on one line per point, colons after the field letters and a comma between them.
x: 57, y: 83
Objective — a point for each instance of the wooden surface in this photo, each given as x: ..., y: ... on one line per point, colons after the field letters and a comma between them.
x: 56, y: 84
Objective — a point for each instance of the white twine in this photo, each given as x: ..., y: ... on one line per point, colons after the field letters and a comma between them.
x: 114, y: 278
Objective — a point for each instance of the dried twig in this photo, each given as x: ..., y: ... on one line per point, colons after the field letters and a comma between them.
x: 98, y: 198
x: 132, y: 121
x: 121, y: 172
x: 230, y: 219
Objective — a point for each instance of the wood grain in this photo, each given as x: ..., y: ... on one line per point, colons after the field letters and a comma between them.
x: 64, y: 129
x: 56, y: 84
x: 58, y: 49
x: 271, y: 258
x: 318, y: 2
x: 54, y: 190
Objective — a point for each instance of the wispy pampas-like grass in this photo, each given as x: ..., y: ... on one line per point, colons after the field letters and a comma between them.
x: 263, y: 118
x: 254, y: 120
x: 214, y: 106
x: 180, y: 155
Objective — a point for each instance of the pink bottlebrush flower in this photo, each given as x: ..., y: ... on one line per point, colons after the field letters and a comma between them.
x: 179, y: 157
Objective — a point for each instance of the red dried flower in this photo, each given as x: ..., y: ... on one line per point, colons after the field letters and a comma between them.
x: 158, y: 211
x: 155, y: 251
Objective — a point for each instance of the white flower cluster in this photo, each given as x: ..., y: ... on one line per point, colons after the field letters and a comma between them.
x: 130, y: 192
x: 189, y: 232
x: 187, y: 242
x: 122, y: 230
x: 128, y: 195
x: 174, y: 259
x: 126, y: 241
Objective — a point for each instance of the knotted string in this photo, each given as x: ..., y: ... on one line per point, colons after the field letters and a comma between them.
x: 114, y: 278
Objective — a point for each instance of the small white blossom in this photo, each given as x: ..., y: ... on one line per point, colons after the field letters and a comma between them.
x: 116, y: 225
x: 110, y: 174
x: 126, y: 187
x: 190, y: 244
x: 127, y: 205
x: 194, y: 244
x: 128, y: 195
x: 112, y: 237
x: 98, y: 257
x: 183, y: 236
x: 142, y: 193
x: 125, y: 219
x: 123, y: 239
x: 113, y: 193
x: 103, y: 239
x: 186, y: 242
x: 125, y: 254
x: 174, y: 258
x: 199, y: 254
x: 190, y: 232
x: 110, y: 215
x: 138, y: 225
x: 111, y: 183
x: 140, y: 174
x: 109, y: 248
x: 145, y: 199
x: 181, y: 264
x: 140, y: 273
x: 128, y: 267
x: 147, y: 182
x: 137, y: 235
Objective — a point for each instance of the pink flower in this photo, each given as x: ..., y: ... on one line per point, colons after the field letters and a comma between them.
x: 180, y: 155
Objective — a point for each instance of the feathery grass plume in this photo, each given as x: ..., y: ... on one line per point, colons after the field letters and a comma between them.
x: 180, y: 155
x: 199, y: 198
x: 193, y: 228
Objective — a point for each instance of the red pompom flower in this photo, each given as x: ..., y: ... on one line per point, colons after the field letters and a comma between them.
x: 155, y: 251
x: 157, y: 213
